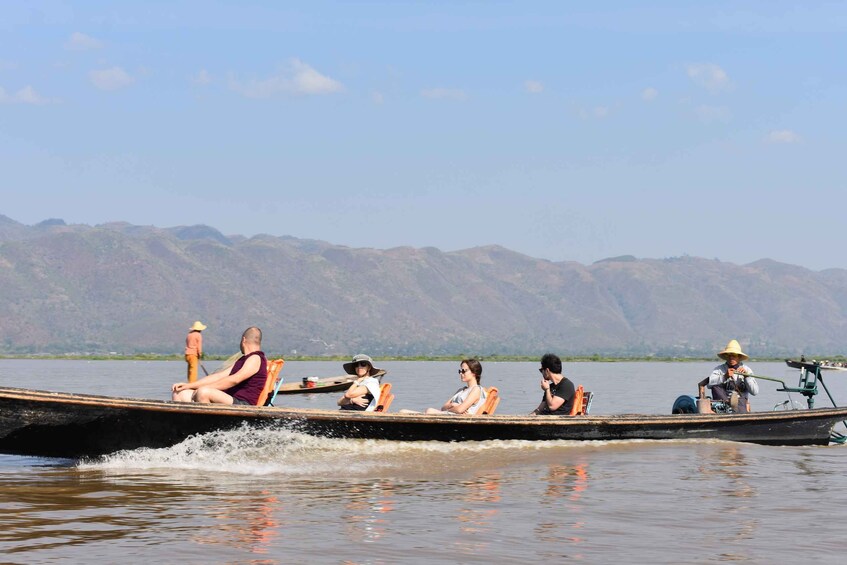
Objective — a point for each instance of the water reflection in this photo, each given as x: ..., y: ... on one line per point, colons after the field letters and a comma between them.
x: 727, y: 474
x: 364, y: 517
x: 728, y: 487
x: 248, y: 524
x: 562, y: 509
x: 59, y: 507
x: 479, y: 507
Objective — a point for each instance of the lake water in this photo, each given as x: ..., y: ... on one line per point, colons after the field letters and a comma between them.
x: 276, y: 496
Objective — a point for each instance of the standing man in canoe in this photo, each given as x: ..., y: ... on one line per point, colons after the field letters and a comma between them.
x: 194, y: 349
x: 240, y: 385
x: 558, y: 389
x: 732, y: 381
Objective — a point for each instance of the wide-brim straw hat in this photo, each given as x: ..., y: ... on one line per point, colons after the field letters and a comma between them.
x: 198, y: 326
x: 733, y: 347
x: 350, y: 368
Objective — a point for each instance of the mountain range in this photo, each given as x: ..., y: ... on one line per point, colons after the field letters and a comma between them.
x: 125, y: 288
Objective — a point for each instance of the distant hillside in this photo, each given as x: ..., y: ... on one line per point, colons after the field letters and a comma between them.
x: 130, y: 289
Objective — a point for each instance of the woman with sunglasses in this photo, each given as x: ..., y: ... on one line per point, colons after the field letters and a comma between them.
x: 470, y: 397
x: 363, y: 394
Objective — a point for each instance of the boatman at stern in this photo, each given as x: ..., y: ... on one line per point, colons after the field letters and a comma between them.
x: 240, y: 385
x: 194, y: 349
x: 732, y: 379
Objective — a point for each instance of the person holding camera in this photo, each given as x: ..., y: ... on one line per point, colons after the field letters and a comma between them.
x: 732, y: 381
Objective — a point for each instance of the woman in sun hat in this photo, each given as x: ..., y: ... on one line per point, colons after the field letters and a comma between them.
x: 194, y: 349
x: 363, y: 394
x: 731, y: 381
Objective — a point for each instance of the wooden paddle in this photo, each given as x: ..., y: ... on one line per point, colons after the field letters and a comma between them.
x: 229, y: 362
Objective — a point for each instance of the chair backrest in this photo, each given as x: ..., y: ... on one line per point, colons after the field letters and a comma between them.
x: 385, y: 398
x: 491, y: 402
x: 587, y: 397
x: 272, y: 383
x: 577, y: 401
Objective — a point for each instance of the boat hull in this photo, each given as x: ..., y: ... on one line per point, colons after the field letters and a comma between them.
x: 74, y: 425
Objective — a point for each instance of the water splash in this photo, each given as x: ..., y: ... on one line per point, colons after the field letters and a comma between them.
x: 283, y: 451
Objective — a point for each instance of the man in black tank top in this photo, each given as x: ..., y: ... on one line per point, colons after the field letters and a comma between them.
x: 241, y: 384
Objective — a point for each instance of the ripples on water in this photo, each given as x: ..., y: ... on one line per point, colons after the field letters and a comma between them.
x: 277, y: 496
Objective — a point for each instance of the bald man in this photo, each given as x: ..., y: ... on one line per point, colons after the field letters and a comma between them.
x: 240, y: 385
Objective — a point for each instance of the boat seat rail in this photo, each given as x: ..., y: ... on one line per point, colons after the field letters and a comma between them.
x: 577, y: 401
x: 272, y: 383
x: 492, y: 400
x: 385, y: 398
x: 587, y: 397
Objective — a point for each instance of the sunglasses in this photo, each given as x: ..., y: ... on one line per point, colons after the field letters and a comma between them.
x: 463, y: 371
x: 541, y: 370
x: 363, y: 364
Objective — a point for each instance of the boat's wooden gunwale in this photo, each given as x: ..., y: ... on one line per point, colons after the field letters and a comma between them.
x: 336, y: 415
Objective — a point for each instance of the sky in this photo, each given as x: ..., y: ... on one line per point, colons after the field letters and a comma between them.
x: 563, y: 130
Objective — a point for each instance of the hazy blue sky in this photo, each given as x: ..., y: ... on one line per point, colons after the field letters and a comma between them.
x: 563, y: 130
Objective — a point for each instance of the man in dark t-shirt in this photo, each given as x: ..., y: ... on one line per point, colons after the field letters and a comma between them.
x: 558, y: 390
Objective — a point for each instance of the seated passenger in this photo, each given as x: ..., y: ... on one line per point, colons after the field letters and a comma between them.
x: 732, y: 376
x: 558, y: 390
x: 242, y: 384
x: 470, y: 397
x: 363, y: 394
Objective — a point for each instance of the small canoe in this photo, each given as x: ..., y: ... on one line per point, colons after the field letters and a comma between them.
x: 328, y: 384
x: 812, y: 365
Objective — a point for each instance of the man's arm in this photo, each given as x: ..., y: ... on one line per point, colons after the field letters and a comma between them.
x: 554, y: 402
x: 541, y: 407
x: 209, y: 380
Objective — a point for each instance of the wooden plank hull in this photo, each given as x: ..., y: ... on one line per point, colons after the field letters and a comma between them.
x: 74, y: 425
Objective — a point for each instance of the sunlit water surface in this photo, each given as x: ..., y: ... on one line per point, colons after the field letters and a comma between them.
x: 277, y: 496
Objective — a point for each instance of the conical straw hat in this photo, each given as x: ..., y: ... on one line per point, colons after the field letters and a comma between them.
x: 732, y: 347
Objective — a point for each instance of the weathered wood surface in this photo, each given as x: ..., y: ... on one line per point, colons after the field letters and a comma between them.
x: 76, y: 425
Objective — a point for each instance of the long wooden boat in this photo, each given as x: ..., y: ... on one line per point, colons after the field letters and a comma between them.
x: 811, y: 365
x: 58, y: 424
x: 328, y: 384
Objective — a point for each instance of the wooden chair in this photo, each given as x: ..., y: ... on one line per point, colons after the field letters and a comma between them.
x: 587, y: 397
x: 268, y: 394
x: 385, y: 398
x: 491, y: 401
x: 577, y: 401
